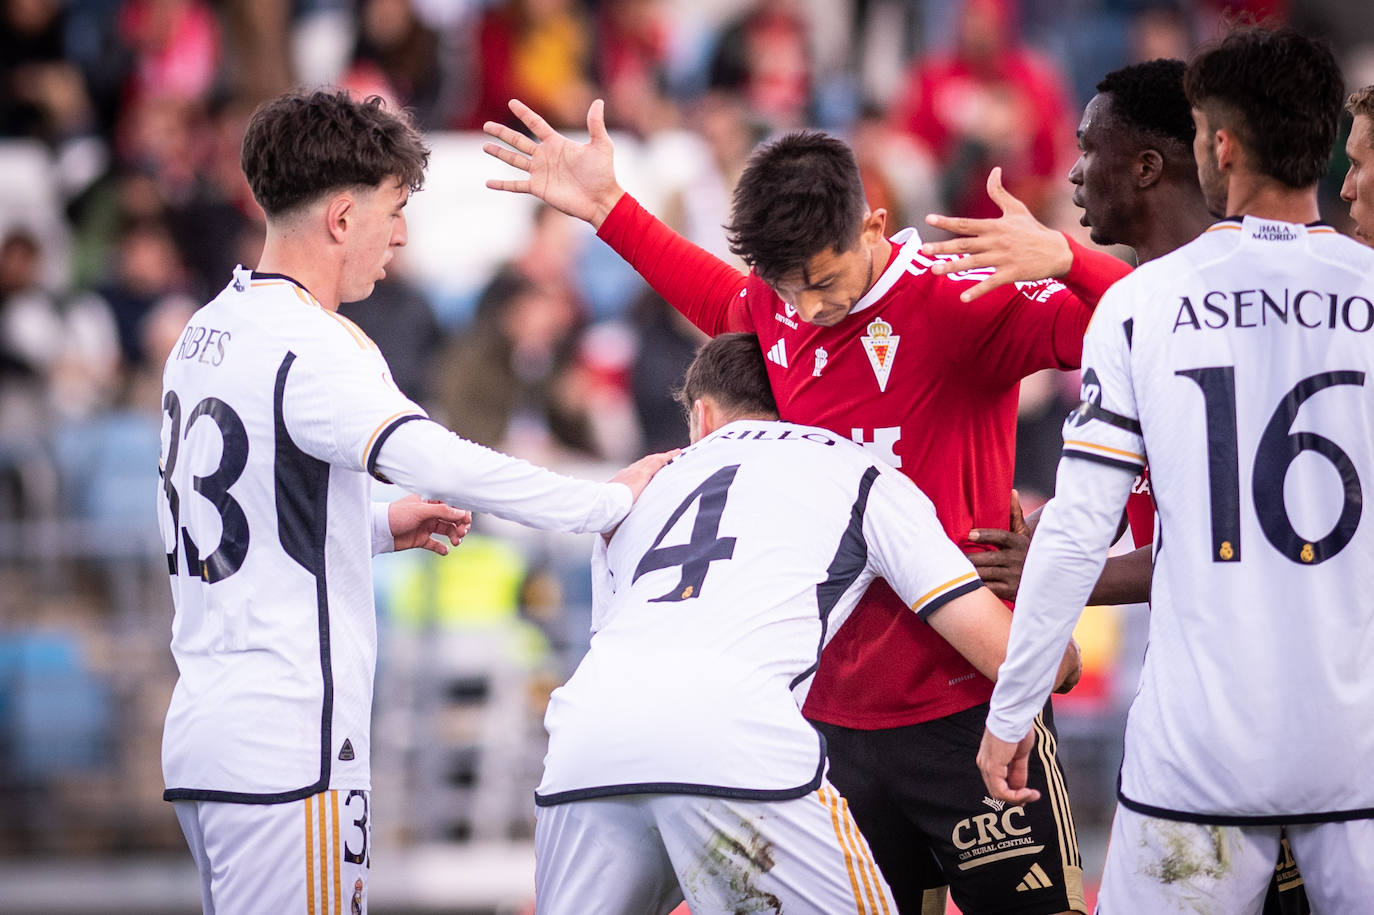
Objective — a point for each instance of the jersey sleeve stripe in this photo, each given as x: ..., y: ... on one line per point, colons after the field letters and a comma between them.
x: 379, y: 437
x: 1088, y: 410
x: 938, y: 596
x: 1118, y: 454
x: 1132, y: 466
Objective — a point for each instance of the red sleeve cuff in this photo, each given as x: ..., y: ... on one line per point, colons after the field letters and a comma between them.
x: 1092, y: 273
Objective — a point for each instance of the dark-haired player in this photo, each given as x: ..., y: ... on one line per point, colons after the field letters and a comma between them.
x: 863, y: 339
x: 277, y: 414
x: 1136, y: 181
x: 679, y: 763
x: 1254, y: 711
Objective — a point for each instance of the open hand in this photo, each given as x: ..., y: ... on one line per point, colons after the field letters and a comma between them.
x: 577, y: 178
x: 1016, y: 245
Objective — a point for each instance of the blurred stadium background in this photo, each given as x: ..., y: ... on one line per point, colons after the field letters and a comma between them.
x: 122, y: 208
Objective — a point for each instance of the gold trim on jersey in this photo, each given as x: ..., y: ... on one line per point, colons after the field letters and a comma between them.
x: 1104, y: 450
x: 367, y: 451
x: 1070, y: 858
x: 942, y: 589
x: 1223, y: 226
x: 356, y: 332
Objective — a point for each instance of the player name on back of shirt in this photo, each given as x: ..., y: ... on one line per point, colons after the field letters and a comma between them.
x: 1313, y: 309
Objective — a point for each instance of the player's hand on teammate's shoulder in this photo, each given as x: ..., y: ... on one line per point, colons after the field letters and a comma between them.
x: 1001, y: 567
x: 1016, y: 245
x: 637, y: 475
x: 577, y: 178
x: 415, y: 521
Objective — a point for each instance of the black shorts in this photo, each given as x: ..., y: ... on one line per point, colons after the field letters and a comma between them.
x: 1287, y: 895
x: 917, y: 794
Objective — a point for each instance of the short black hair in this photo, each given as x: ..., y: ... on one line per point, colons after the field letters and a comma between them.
x: 1279, y: 92
x: 798, y: 196
x: 730, y: 370
x: 1149, y: 97
x: 300, y: 146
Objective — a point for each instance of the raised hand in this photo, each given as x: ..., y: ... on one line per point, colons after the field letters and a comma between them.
x: 1016, y: 245
x: 577, y: 178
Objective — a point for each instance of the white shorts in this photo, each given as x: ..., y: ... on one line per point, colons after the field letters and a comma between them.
x: 1156, y: 865
x: 309, y: 856
x: 644, y: 854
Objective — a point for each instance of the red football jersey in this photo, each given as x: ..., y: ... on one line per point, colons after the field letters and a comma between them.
x: 928, y: 383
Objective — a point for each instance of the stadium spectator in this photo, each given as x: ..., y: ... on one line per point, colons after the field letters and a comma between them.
x: 538, y: 49
x: 43, y: 94
x: 764, y: 55
x: 398, y: 52
x: 989, y: 100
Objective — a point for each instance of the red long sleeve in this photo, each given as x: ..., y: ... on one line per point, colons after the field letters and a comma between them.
x: 1092, y: 272
x: 708, y: 291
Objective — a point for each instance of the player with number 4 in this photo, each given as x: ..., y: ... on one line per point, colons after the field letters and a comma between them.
x: 679, y: 763
x: 861, y: 338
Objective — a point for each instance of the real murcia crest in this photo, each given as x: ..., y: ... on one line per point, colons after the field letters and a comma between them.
x: 821, y: 357
x: 881, y: 345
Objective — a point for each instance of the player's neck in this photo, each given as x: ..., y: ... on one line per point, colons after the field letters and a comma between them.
x: 1265, y: 198
x: 290, y: 255
x: 1175, y: 220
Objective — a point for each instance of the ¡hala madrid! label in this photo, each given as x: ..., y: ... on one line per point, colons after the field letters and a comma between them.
x: 881, y: 345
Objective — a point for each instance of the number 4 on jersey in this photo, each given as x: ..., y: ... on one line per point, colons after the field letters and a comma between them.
x: 705, y: 547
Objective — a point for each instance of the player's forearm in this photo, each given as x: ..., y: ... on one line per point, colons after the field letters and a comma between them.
x: 692, y: 280
x: 1125, y: 579
x: 426, y: 458
x: 1064, y: 563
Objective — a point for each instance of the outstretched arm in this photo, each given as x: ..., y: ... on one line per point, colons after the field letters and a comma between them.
x: 577, y: 178
x: 1019, y: 248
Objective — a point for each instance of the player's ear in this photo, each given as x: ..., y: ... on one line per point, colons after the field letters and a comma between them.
x: 338, y: 212
x: 1149, y: 167
x: 1225, y: 147
x: 874, y: 226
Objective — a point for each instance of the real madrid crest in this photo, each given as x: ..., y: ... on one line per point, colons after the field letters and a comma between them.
x: 881, y: 345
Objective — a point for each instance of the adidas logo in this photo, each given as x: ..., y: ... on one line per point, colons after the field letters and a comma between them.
x: 346, y: 751
x: 778, y: 353
x: 1035, y: 879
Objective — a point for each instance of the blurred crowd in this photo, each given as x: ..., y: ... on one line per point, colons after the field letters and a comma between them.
x: 122, y: 208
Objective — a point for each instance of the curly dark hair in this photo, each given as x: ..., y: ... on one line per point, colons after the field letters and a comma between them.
x: 1279, y: 92
x: 730, y: 369
x: 799, y: 196
x: 1361, y: 101
x: 1149, y: 97
x: 299, y: 146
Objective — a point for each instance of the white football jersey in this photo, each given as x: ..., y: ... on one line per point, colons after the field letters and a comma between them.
x: 1241, y: 364
x: 266, y: 518
x: 712, y: 604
